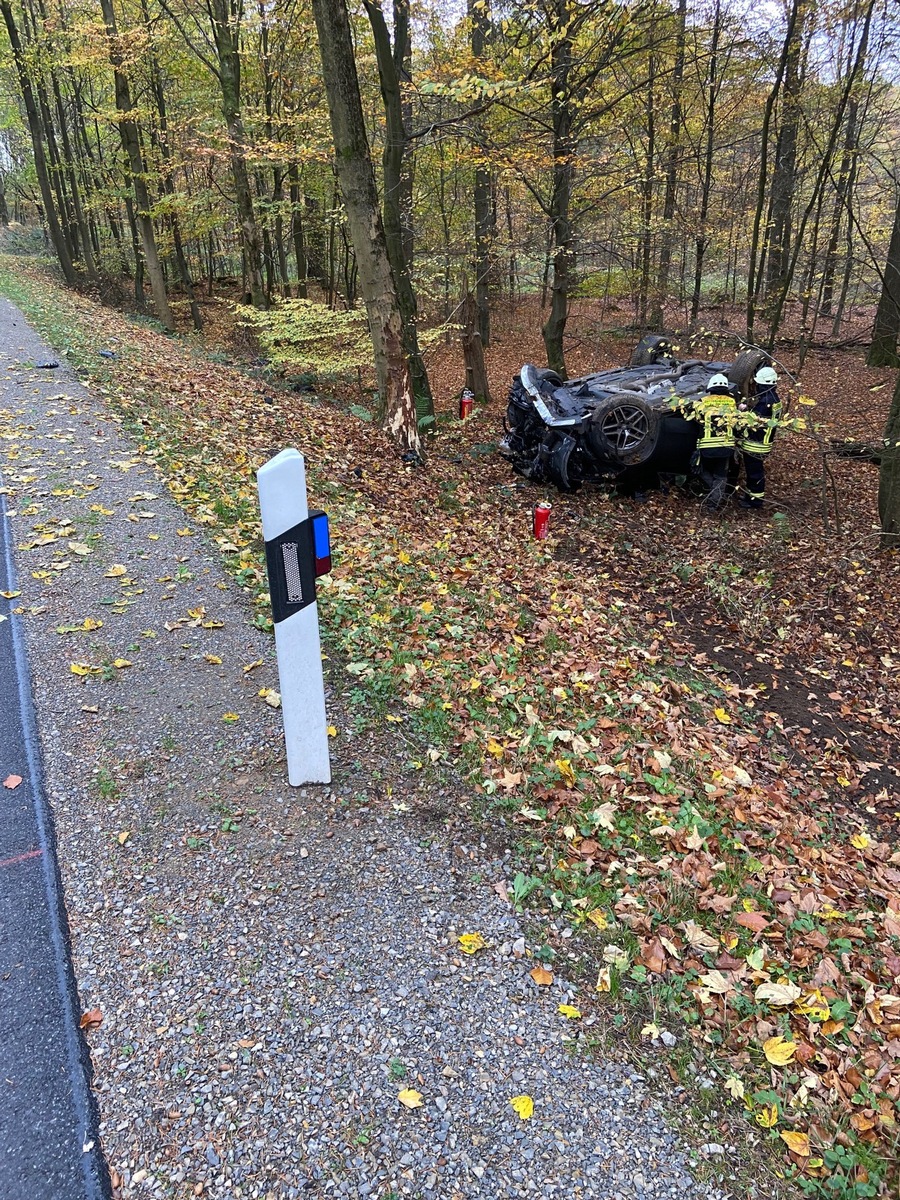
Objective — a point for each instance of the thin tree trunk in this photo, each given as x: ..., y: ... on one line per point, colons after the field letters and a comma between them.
x: 702, y: 239
x: 657, y: 318
x: 561, y: 64
x: 297, y: 231
x: 883, y: 351
x: 480, y: 22
x: 889, y: 477
x: 357, y: 180
x: 762, y: 190
x: 128, y: 132
x: 647, y: 200
x: 35, y: 128
x: 391, y: 63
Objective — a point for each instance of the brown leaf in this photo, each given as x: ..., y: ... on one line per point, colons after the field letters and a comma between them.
x: 752, y: 920
x: 12, y: 781
x: 92, y: 1019
x: 541, y: 976
x: 653, y: 956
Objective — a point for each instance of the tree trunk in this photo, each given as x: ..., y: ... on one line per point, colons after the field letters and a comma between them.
x: 883, y: 351
x: 128, y: 132
x: 473, y: 351
x: 357, y: 181
x: 889, y: 478
x: 657, y: 318
x: 647, y: 200
x: 561, y: 199
x: 35, y: 128
x: 784, y: 173
x: 225, y: 18
x: 480, y: 20
x: 297, y: 231
x: 754, y: 270
x: 702, y: 239
x: 391, y: 66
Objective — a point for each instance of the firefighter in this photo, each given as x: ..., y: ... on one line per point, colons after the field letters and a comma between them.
x: 718, y: 417
x: 757, y: 434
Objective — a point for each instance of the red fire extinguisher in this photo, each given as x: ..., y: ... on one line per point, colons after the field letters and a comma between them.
x: 466, y: 403
x: 540, y: 519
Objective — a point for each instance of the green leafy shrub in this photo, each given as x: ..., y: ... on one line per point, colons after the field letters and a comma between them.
x: 311, y: 336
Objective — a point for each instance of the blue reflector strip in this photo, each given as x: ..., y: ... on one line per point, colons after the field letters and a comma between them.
x: 321, y: 537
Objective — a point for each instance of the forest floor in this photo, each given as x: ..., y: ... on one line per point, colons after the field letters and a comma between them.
x: 685, y: 725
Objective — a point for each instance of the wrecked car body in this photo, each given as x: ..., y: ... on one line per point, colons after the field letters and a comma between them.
x: 616, y: 424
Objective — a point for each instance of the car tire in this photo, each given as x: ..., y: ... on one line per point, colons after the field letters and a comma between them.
x: 545, y: 375
x: 624, y: 430
x: 744, y: 367
x: 651, y: 349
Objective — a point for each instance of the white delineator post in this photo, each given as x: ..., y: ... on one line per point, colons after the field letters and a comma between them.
x: 289, y: 558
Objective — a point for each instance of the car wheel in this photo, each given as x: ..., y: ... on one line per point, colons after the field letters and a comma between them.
x: 744, y: 367
x: 624, y: 429
x: 651, y: 349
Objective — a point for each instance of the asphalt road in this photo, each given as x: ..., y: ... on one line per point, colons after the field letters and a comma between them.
x: 49, y: 1149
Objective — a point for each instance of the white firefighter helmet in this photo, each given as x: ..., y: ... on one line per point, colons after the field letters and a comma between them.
x: 719, y: 383
x: 766, y: 376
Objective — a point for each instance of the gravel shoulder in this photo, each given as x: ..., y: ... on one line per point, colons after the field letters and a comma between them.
x: 273, y: 966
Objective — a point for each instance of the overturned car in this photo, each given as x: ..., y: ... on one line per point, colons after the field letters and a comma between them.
x: 614, y: 424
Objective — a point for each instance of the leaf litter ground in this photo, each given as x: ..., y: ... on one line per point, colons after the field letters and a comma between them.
x: 691, y: 723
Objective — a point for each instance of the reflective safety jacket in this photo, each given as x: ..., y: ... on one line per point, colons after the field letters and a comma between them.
x: 761, y: 423
x: 719, y: 419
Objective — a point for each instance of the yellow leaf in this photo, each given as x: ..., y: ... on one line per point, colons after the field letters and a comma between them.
x: 798, y: 1142
x: 184, y: 532
x: 735, y: 1087
x: 410, y: 1098
x: 523, y: 1105
x: 568, y: 1010
x: 91, y: 623
x: 272, y: 698
x: 115, y: 571
x: 650, y: 1030
x: 495, y: 748
x: 427, y: 607
x: 767, y: 1116
x: 230, y: 717
x: 78, y: 668
x: 541, y: 976
x: 79, y: 548
x: 860, y: 841
x: 123, y: 837
x: 810, y: 403
x: 779, y: 1052
x: 154, y: 537
x: 332, y: 731
x: 603, y: 979
x: 564, y: 766
x: 469, y: 943
x: 404, y: 558
x: 212, y: 658
x: 722, y: 716
x: 474, y: 684
x: 10, y: 595
x: 597, y: 917
x: 779, y: 995
x: 121, y: 663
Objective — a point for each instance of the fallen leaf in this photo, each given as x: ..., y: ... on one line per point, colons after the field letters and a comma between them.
x: 410, y: 1098
x: 650, y: 1030
x: 797, y: 1142
x: 332, y: 731
x: 115, y: 571
x: 541, y: 976
x: 123, y: 837
x: 597, y: 917
x: 767, y: 1116
x: 779, y: 995
x: 523, y: 1106
x: 471, y: 943
x: 734, y: 1087
x: 91, y: 1019
x: 212, y: 658
x: 10, y: 595
x: 230, y: 717
x: 12, y: 781
x: 568, y: 1010
x: 564, y: 766
x: 860, y: 841
x: 779, y: 1052
x: 121, y: 663
x: 699, y: 938
x: 752, y: 920
x: 722, y: 716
